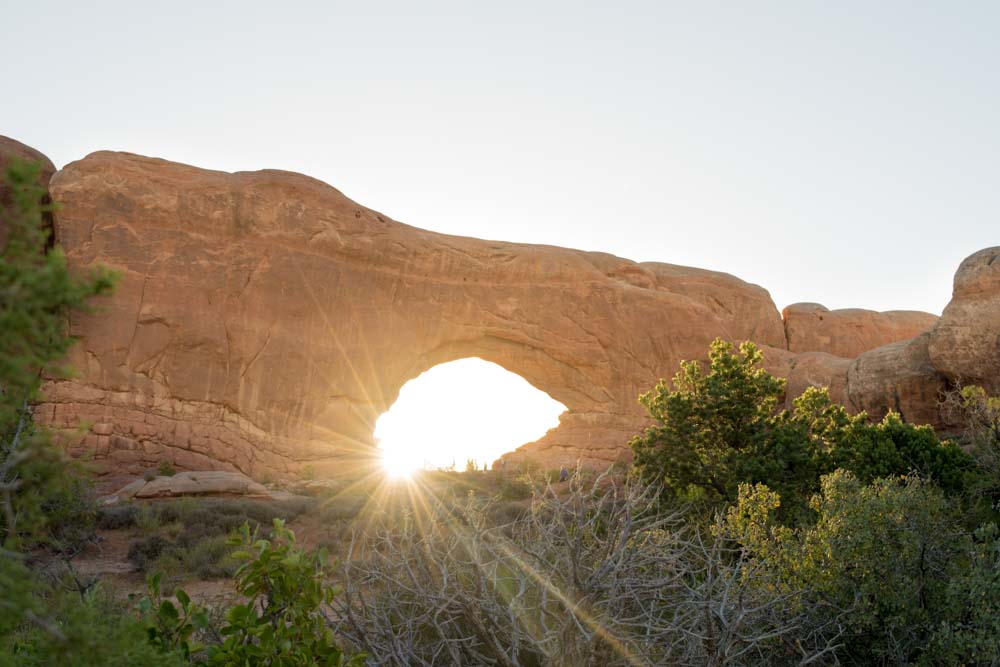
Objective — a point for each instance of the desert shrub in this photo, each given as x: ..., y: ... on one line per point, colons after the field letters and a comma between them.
x: 505, y: 512
x: 116, y: 517
x: 593, y: 576
x: 341, y: 507
x: 187, y: 537
x: 969, y: 632
x: 883, y: 554
x: 166, y: 469
x: 227, y: 514
x: 978, y: 414
x: 144, y: 551
x: 515, y: 489
x: 206, y: 558
x: 147, y: 519
x: 70, y: 511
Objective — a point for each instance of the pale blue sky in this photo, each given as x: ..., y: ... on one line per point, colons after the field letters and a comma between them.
x: 845, y: 153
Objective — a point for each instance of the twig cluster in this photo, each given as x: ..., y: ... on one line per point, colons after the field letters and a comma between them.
x: 593, y: 577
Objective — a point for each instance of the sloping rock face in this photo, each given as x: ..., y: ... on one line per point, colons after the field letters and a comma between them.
x: 811, y: 327
x: 264, y: 320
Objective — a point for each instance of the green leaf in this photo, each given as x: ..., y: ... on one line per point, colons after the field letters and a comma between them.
x: 183, y: 598
x: 168, y: 611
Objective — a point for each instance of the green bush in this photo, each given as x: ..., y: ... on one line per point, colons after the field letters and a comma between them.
x: 166, y: 469
x: 280, y: 623
x: 969, y: 632
x: 894, y: 447
x: 722, y: 428
x: 882, y: 554
x: 93, y: 630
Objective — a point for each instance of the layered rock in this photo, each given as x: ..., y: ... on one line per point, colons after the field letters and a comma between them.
x: 811, y: 327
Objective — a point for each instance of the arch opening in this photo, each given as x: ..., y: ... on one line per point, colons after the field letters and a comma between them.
x: 462, y: 413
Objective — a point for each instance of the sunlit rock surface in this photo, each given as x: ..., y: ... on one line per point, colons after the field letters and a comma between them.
x: 264, y: 321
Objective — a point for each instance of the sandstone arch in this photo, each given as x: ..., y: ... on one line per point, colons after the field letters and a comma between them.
x: 264, y: 321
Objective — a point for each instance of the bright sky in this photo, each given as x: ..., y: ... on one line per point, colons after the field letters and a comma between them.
x: 463, y: 409
x: 840, y: 152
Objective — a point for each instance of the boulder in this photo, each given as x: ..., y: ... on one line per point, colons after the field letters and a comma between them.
x: 965, y: 345
x: 194, y: 483
x: 898, y: 377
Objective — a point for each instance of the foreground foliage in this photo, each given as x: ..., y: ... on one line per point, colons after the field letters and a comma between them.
x: 43, y: 503
x: 280, y: 623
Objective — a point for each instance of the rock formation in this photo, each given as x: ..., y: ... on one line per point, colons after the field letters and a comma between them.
x: 200, y: 483
x: 810, y: 327
x: 264, y: 321
x: 965, y: 344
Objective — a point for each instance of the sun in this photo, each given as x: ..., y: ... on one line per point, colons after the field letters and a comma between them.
x: 399, y: 463
x: 462, y: 413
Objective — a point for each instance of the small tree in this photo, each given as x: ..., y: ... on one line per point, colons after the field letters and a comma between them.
x: 719, y: 428
x: 37, y: 292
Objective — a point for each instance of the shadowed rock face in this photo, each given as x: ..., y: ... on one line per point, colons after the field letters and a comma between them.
x: 264, y: 321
